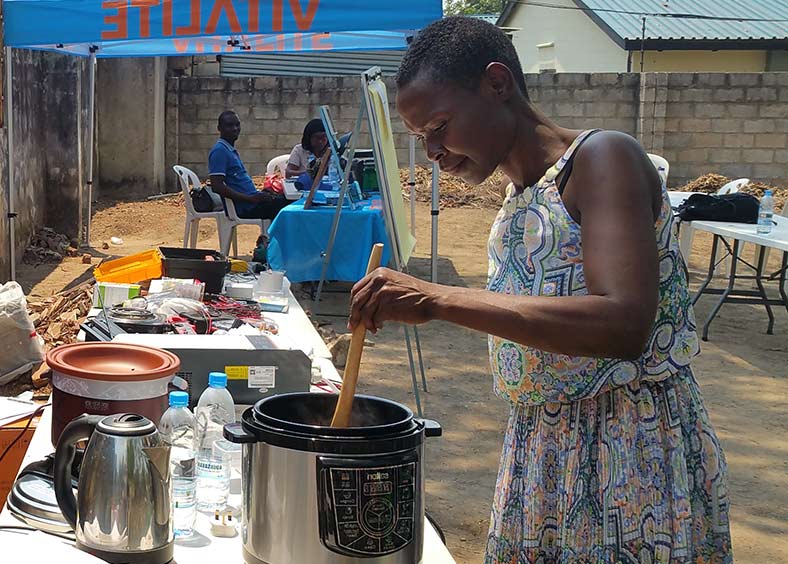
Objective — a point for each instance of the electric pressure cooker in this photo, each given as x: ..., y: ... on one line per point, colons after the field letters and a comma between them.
x: 323, y: 495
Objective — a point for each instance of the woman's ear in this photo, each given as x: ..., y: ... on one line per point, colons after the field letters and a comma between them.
x: 498, y: 81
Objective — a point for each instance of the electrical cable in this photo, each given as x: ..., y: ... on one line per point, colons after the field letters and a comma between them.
x: 33, y: 529
x: 21, y: 434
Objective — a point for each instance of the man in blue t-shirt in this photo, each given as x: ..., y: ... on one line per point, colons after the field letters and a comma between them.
x: 229, y: 179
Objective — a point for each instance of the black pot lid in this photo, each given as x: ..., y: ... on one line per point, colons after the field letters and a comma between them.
x: 32, y: 499
x: 310, y: 413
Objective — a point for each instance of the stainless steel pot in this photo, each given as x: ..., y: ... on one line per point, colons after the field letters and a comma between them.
x: 316, y: 494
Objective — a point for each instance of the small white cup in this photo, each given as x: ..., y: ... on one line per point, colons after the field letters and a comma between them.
x: 271, y: 281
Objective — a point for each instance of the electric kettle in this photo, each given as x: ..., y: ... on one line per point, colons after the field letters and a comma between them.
x: 122, y: 510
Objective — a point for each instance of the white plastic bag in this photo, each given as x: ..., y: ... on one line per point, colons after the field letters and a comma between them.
x: 21, y: 349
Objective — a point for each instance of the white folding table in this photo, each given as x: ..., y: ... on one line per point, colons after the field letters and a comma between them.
x: 732, y: 235
x: 201, y: 548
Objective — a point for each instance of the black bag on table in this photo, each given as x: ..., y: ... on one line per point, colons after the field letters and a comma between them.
x: 736, y: 208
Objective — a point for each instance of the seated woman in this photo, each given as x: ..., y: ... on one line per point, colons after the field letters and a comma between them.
x: 314, y: 142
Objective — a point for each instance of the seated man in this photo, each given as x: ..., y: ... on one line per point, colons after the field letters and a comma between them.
x: 313, y: 142
x: 229, y: 179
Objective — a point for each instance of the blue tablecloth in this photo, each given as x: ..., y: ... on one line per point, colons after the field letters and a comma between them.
x: 299, y: 237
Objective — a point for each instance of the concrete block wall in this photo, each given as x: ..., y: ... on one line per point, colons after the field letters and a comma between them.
x: 49, y: 113
x: 733, y: 124
x: 273, y: 112
x: 583, y: 101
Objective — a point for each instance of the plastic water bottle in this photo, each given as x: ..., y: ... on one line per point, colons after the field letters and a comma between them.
x: 177, y: 428
x: 333, y: 175
x: 214, y: 409
x: 765, y: 213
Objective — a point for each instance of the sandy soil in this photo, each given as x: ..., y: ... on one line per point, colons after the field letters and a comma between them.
x: 743, y: 373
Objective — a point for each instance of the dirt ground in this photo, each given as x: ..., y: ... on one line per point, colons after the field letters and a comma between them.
x: 743, y: 373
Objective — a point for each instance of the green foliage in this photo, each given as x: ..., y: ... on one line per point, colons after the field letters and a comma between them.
x: 469, y: 7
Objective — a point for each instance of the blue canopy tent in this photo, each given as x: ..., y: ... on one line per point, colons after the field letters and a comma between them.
x: 141, y: 28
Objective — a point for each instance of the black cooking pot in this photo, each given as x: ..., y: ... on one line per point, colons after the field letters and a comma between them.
x: 353, y: 492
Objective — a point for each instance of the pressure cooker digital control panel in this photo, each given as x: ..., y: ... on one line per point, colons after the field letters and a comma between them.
x: 368, y: 510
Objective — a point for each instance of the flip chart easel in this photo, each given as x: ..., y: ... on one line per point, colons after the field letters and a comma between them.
x: 400, y: 238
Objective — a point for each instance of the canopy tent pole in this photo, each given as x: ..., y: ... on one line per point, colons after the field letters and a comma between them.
x: 9, y: 123
x: 434, y: 213
x: 412, y: 183
x: 91, y: 132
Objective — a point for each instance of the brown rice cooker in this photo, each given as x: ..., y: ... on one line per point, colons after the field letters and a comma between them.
x: 108, y: 378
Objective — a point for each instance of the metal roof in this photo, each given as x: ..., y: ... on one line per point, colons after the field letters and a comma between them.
x: 675, y: 23
x: 327, y: 63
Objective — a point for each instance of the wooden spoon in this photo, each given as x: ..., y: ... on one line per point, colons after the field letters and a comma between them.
x: 345, y: 402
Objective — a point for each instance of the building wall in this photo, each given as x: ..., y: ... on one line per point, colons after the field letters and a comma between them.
x: 701, y: 61
x: 734, y: 124
x: 49, y: 131
x: 701, y: 122
x: 273, y: 112
x: 130, y: 125
x: 580, y: 45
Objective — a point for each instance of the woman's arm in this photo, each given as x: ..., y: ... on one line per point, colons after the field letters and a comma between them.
x: 612, y: 189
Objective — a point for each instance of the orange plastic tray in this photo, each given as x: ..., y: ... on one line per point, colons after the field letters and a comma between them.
x: 131, y: 269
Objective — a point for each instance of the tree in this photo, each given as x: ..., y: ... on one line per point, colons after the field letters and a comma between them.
x: 468, y: 7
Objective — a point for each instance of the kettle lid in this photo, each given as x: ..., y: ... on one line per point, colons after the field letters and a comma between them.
x: 126, y: 425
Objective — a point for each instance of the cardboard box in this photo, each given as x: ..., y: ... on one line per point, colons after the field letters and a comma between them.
x: 9, y: 466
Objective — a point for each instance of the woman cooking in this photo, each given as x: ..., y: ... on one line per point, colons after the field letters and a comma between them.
x: 609, y: 455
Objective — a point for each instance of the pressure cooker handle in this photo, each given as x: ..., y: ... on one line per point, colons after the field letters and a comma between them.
x: 235, y: 433
x: 431, y: 428
x: 79, y: 429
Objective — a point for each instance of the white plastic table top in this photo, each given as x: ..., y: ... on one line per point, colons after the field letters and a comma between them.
x: 747, y: 232
x: 206, y: 549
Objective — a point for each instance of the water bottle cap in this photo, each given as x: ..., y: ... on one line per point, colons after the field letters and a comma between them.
x: 179, y: 399
x: 217, y: 380
x: 768, y: 193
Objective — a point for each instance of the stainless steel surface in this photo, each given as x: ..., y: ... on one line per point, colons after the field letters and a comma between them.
x: 280, y: 501
x: 123, y: 500
x: 32, y: 499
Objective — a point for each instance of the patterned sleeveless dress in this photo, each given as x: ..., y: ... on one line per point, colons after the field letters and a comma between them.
x: 604, y: 460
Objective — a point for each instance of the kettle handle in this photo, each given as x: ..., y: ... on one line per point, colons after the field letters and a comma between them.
x: 77, y: 430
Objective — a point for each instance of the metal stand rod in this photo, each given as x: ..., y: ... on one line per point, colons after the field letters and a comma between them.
x: 412, y: 183
x: 434, y: 213
x: 338, y: 213
x: 416, y: 393
x: 712, y: 266
x: 91, y: 132
x: 759, y: 283
x: 9, y: 123
x: 783, y: 268
x: 421, y: 359
x: 728, y: 290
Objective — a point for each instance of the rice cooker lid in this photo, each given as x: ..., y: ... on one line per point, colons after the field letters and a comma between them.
x: 301, y: 421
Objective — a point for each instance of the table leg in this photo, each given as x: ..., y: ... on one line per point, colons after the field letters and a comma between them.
x: 782, y: 280
x: 762, y: 290
x: 705, y: 284
x: 728, y: 290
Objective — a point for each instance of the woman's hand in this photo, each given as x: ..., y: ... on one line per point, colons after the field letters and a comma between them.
x: 388, y: 295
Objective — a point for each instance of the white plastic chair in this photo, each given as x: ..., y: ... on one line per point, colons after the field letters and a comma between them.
x: 733, y: 186
x: 187, y: 180
x: 227, y: 228
x: 278, y: 164
x: 662, y: 165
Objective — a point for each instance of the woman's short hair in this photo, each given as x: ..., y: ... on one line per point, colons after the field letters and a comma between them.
x: 458, y: 49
